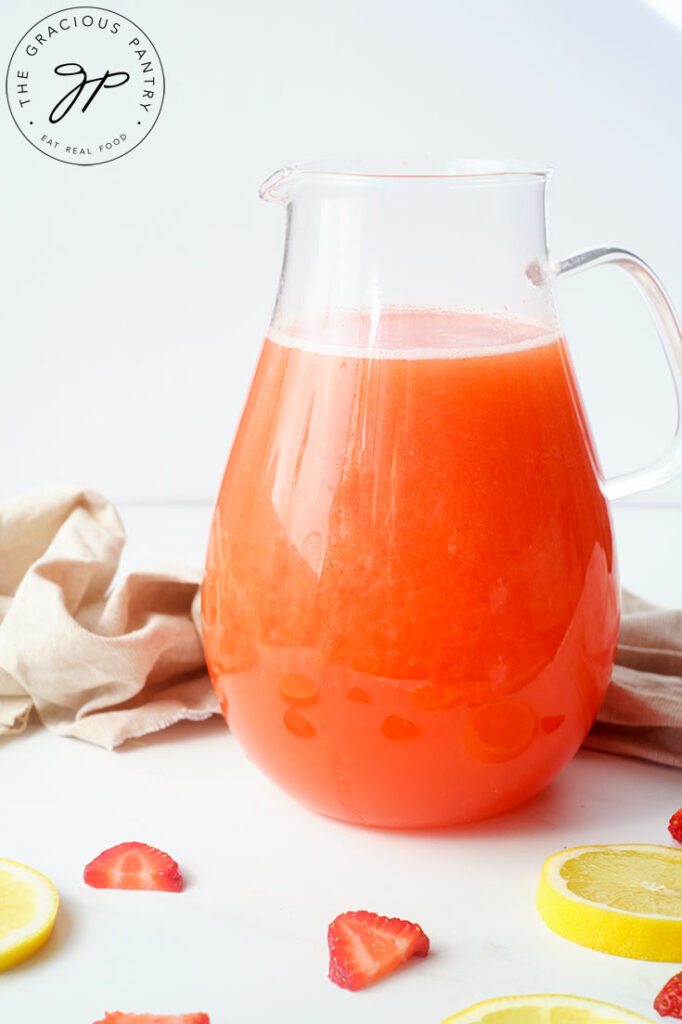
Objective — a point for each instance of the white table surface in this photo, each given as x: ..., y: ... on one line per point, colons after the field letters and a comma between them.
x: 246, y: 941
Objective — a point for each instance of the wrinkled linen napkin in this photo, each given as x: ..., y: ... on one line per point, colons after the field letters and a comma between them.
x: 108, y: 666
x: 642, y: 713
x: 105, y: 667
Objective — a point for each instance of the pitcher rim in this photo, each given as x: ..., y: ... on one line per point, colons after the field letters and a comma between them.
x: 405, y: 170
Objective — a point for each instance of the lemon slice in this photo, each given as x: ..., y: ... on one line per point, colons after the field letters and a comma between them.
x: 625, y: 900
x: 545, y: 1009
x: 28, y: 907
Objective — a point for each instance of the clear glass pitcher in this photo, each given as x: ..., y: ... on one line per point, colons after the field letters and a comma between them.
x: 411, y: 603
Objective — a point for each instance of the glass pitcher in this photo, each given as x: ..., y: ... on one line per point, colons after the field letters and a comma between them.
x: 411, y: 602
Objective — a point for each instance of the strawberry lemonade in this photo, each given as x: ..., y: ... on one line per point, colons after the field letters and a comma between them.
x: 410, y: 605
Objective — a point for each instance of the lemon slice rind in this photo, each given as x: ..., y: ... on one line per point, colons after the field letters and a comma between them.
x: 22, y: 942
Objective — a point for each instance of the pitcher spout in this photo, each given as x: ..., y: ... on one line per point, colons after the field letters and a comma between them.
x: 275, y: 188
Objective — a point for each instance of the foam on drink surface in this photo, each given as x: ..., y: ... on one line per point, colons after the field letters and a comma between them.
x: 414, y: 334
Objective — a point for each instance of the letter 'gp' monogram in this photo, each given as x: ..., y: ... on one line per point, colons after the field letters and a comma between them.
x: 85, y: 85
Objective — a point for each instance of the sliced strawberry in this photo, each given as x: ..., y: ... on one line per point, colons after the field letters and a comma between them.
x: 675, y: 826
x: 363, y: 947
x: 133, y: 866
x: 668, y: 1002
x: 153, y: 1018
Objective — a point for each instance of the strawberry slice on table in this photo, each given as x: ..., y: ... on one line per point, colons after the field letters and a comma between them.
x: 668, y: 1002
x: 363, y: 947
x: 154, y: 1018
x: 675, y: 826
x: 133, y: 866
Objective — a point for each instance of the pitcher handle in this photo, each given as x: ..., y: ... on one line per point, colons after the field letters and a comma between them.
x: 670, y: 334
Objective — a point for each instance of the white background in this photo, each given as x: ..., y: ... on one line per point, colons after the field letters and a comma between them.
x: 135, y: 294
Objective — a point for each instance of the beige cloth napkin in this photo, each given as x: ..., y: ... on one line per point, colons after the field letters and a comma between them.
x: 109, y: 666
x: 642, y: 713
x: 105, y: 667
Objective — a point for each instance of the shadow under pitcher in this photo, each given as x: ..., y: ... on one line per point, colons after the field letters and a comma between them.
x: 411, y: 602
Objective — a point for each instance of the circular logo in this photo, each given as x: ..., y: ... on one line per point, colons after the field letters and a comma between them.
x: 85, y: 85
